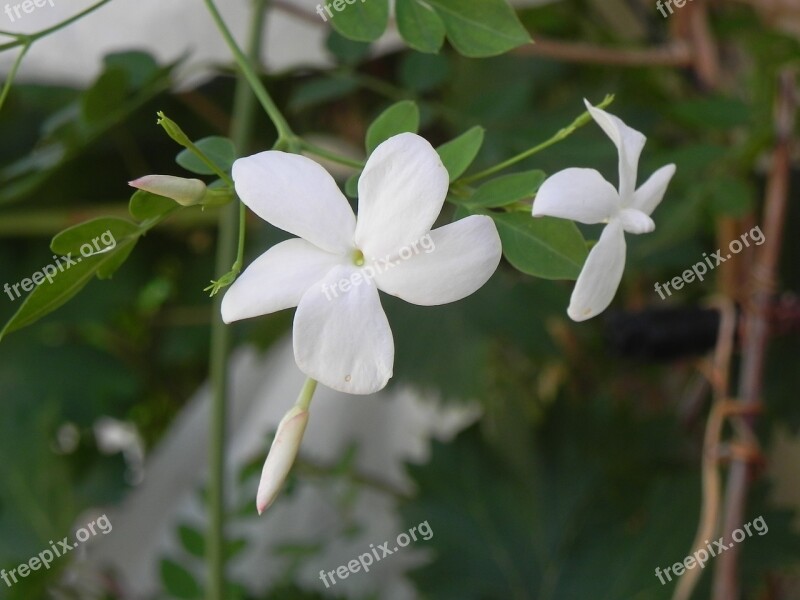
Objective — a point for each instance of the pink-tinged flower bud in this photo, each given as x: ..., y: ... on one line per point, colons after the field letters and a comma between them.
x: 281, y: 456
x: 186, y: 192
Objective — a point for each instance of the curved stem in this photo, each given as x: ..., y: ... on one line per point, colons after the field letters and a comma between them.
x: 26, y: 39
x: 582, y: 120
x: 285, y: 133
x: 323, y: 153
x: 70, y: 21
x: 12, y: 74
x: 227, y: 249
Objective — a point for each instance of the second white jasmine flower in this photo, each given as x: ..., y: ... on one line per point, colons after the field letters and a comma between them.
x: 583, y: 195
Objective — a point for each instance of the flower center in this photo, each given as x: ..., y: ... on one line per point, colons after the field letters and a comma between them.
x: 358, y: 258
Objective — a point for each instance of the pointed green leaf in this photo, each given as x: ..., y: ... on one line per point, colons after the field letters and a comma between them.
x: 47, y: 297
x: 192, y: 541
x: 320, y: 91
x: 347, y: 51
x: 144, y: 205
x: 480, y: 29
x: 363, y: 21
x: 351, y: 185
x: 105, y: 96
x: 545, y: 247
x: 178, y: 582
x: 220, y: 150
x: 89, y: 236
x: 140, y: 66
x: 398, y: 118
x: 458, y: 154
x: 507, y: 189
x: 421, y: 27
x: 95, y: 248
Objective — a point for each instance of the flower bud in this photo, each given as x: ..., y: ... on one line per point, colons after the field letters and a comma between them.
x: 281, y: 456
x: 186, y: 192
x: 173, y: 130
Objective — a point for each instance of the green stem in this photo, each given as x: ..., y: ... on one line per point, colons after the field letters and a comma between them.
x: 323, y: 153
x: 12, y: 75
x: 179, y: 137
x: 306, y: 394
x: 67, y: 22
x: 227, y: 249
x: 285, y: 134
x: 28, y: 39
x: 582, y: 120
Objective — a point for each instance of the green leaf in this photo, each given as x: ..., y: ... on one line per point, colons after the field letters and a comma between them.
x: 351, y: 186
x: 480, y: 29
x: 363, y: 21
x: 713, y: 113
x: 544, y: 247
x: 423, y: 72
x: 140, y: 66
x: 95, y: 248
x: 458, y: 154
x: 144, y: 205
x: 730, y: 197
x: 178, y: 582
x: 79, y: 237
x: 192, y: 541
x: 320, y: 91
x: 507, y: 189
x: 398, y: 118
x: 235, y: 547
x: 47, y: 297
x: 219, y: 150
x: 420, y: 26
x: 346, y: 51
x: 105, y: 96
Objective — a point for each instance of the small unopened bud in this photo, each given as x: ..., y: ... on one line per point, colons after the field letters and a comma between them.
x: 173, y: 130
x: 186, y: 192
x: 281, y: 456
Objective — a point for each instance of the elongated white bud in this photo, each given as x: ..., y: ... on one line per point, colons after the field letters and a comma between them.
x: 186, y: 192
x: 281, y: 456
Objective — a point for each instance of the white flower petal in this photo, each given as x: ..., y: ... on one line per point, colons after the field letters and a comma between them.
x: 448, y: 264
x: 281, y: 457
x: 598, y: 282
x: 400, y: 194
x: 629, y: 143
x: 577, y: 194
x: 277, y: 279
x: 341, y: 335
x: 651, y: 192
x: 297, y: 195
x: 635, y: 221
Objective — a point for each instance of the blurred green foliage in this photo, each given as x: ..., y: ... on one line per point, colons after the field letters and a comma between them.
x: 581, y: 477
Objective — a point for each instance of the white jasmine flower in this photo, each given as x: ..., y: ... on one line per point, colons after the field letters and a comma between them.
x: 584, y: 196
x: 343, y: 339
